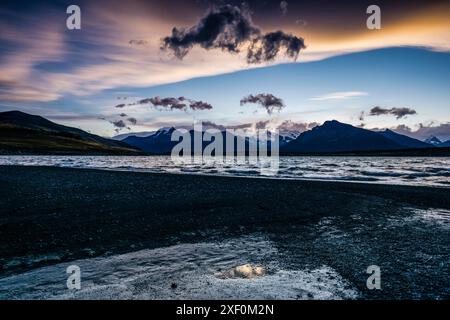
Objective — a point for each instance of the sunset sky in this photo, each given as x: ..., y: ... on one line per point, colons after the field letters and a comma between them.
x: 120, y: 58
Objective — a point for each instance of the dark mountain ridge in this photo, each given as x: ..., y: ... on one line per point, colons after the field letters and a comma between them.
x: 334, y: 136
x: 22, y: 133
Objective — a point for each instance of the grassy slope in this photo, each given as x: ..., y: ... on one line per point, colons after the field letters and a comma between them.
x: 17, y: 140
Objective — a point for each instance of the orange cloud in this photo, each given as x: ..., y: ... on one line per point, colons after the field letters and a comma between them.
x: 115, y: 63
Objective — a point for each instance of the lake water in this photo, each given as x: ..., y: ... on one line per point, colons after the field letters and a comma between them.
x: 389, y: 170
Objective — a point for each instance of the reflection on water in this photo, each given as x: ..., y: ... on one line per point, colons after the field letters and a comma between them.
x: 186, y: 271
x: 245, y: 271
x: 401, y: 170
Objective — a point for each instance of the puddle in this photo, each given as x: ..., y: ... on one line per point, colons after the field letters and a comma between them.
x: 218, y: 270
x: 245, y: 271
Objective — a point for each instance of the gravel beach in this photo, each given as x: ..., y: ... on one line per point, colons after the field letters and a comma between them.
x: 54, y: 215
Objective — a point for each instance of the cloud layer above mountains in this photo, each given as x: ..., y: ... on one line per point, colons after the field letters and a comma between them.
x: 425, y: 131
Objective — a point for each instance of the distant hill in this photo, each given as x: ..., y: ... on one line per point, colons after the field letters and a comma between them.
x: 22, y: 133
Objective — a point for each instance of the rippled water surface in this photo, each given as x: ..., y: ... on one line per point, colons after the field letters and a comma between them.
x: 392, y: 170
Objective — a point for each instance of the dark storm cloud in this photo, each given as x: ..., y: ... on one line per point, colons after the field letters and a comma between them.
x: 132, y: 120
x: 143, y: 101
x: 119, y: 124
x: 267, y: 46
x: 229, y: 28
x: 402, y: 112
x: 288, y: 127
x: 172, y: 103
x: 266, y: 100
x: 376, y: 111
x: 199, y: 105
x: 398, y: 112
x: 225, y: 27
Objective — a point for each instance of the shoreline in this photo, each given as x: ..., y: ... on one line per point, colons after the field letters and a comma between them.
x: 79, y: 213
x: 351, y: 184
x: 50, y: 216
x: 438, y: 152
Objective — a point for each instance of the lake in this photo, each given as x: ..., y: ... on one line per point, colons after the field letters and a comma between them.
x: 390, y: 170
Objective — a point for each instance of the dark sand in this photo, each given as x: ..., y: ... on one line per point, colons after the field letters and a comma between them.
x: 78, y: 213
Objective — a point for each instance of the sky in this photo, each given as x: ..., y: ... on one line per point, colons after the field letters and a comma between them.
x: 141, y: 65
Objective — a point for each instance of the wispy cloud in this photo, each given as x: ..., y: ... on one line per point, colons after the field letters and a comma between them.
x: 339, y: 95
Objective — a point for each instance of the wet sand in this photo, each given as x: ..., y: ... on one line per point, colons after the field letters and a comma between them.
x: 54, y: 215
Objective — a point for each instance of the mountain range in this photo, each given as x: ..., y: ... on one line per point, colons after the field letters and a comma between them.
x: 336, y: 137
x: 331, y: 137
x: 22, y: 133
x: 160, y: 142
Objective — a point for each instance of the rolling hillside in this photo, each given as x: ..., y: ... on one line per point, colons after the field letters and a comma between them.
x: 22, y: 133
